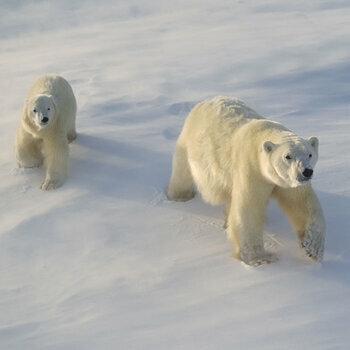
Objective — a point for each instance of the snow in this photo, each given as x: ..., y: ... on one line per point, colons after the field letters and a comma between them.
x: 106, y: 262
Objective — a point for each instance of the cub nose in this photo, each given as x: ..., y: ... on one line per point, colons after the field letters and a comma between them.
x: 308, y: 173
x: 45, y: 120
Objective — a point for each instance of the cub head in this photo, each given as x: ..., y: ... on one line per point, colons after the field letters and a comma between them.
x: 40, y: 111
x: 290, y: 163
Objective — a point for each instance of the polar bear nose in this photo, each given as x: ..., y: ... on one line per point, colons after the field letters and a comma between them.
x: 45, y: 120
x: 308, y: 173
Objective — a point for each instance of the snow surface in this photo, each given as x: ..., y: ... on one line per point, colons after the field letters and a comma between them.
x: 106, y: 262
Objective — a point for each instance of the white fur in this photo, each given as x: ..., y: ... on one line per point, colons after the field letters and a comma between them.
x: 46, y: 127
x: 236, y: 157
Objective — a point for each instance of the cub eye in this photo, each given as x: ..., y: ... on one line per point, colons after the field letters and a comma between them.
x: 288, y: 157
x: 310, y: 155
x: 34, y: 110
x: 48, y: 108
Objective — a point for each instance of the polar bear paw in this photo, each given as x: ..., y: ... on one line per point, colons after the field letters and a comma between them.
x: 72, y: 135
x: 254, y: 259
x: 180, y: 196
x: 29, y: 162
x: 50, y: 184
x: 312, y: 242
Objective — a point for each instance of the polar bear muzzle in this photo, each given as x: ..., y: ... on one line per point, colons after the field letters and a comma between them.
x: 307, y: 173
x: 44, y: 120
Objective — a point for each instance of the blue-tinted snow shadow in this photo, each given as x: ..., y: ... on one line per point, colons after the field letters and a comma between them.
x: 115, y: 167
x: 119, y: 169
x: 312, y: 90
x: 124, y: 111
x: 337, y: 253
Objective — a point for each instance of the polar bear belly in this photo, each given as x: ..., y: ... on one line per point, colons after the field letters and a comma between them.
x: 212, y: 183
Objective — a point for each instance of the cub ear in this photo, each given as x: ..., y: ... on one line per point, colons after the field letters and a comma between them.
x: 313, y: 140
x: 269, y: 146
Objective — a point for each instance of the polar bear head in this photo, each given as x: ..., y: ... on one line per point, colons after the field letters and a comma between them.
x: 40, y: 111
x: 291, y: 162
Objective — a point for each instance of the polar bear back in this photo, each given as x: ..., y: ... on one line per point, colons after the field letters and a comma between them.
x: 218, y: 121
x: 217, y: 118
x: 222, y: 137
x: 232, y: 108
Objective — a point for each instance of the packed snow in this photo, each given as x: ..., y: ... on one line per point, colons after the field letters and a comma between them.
x: 106, y: 261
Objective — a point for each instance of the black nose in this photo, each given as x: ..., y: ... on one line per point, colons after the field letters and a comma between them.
x: 45, y: 120
x: 308, y: 172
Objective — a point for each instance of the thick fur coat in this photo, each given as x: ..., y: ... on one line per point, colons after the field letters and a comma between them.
x: 46, y: 127
x: 234, y: 156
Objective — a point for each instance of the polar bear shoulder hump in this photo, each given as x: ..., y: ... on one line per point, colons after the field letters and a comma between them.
x: 228, y: 107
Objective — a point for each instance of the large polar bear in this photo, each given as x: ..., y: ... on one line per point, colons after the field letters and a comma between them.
x: 46, y: 127
x: 236, y: 157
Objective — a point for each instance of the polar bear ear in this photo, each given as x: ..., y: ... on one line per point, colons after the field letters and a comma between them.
x: 313, y: 140
x: 269, y: 146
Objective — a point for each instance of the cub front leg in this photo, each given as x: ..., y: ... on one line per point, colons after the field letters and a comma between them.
x: 27, y: 150
x: 305, y: 214
x: 56, y: 154
x: 246, y: 222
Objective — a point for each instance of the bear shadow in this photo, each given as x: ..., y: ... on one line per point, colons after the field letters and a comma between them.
x: 112, y: 167
x: 117, y: 169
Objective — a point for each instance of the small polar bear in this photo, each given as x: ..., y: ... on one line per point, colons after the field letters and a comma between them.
x: 46, y: 127
x: 235, y: 156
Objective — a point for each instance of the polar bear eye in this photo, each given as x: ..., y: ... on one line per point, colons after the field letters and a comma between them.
x: 48, y: 108
x: 34, y: 110
x: 288, y: 157
x: 310, y: 155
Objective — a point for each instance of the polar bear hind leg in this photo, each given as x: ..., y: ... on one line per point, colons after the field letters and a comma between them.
x: 71, y: 133
x: 181, y: 185
x: 304, y: 212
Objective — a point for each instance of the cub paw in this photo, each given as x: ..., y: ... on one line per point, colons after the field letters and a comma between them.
x: 32, y: 163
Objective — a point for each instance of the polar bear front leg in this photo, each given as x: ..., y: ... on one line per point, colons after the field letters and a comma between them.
x: 56, y: 160
x: 305, y: 214
x: 245, y: 225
